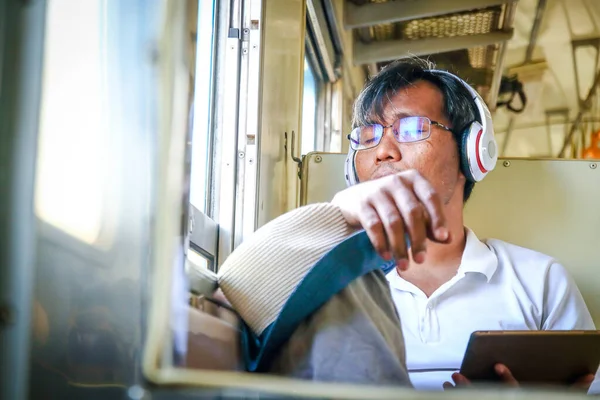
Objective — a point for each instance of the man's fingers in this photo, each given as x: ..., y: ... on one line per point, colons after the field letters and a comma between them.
x: 393, y: 227
x: 393, y: 208
x: 505, y: 374
x: 460, y: 379
x: 447, y: 385
x: 584, y: 382
x: 372, y: 224
x: 434, y: 207
x: 414, y: 220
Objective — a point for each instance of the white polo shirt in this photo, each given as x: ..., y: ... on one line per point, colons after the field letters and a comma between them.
x: 498, y: 286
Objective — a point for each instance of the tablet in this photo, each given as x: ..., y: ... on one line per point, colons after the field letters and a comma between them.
x: 534, y: 357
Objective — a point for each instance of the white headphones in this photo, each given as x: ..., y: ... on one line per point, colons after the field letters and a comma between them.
x: 478, y: 148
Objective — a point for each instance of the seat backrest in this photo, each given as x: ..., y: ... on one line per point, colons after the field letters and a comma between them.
x: 551, y: 206
x: 212, y: 338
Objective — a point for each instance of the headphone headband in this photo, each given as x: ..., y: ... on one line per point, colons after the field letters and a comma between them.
x: 484, y: 112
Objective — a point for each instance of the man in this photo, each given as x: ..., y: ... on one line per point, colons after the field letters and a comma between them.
x: 449, y: 283
x: 410, y: 176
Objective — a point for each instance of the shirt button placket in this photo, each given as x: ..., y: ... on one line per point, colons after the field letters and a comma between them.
x: 424, y: 329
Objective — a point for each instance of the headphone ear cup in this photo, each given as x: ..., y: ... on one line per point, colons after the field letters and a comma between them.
x: 350, y: 169
x: 465, y: 166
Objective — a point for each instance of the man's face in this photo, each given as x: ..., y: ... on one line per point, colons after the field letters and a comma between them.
x: 435, y: 158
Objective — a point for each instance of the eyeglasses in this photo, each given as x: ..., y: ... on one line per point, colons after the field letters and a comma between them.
x: 405, y: 130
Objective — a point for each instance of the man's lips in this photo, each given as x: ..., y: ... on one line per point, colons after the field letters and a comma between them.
x: 384, y: 171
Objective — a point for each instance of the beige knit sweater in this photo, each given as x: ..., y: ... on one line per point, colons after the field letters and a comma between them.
x: 261, y: 274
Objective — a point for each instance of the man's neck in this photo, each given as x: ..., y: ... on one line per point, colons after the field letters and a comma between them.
x: 439, y: 254
x: 442, y: 260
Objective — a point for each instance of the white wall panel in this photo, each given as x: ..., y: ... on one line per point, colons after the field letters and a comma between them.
x: 281, y: 105
x: 547, y: 205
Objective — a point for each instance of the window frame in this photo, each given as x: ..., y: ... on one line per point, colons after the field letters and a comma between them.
x: 323, y: 51
x: 203, y: 236
x: 203, y: 230
x: 208, y: 125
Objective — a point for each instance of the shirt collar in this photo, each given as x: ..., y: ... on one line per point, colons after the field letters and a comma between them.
x: 477, y: 257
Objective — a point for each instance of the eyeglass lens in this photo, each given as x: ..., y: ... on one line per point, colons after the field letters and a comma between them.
x: 405, y: 130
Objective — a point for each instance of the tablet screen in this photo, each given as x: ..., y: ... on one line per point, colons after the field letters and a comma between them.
x: 537, y: 357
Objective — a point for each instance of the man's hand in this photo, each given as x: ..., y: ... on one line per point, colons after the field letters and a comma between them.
x: 391, y: 206
x: 501, y: 369
x: 508, y: 379
x: 584, y: 383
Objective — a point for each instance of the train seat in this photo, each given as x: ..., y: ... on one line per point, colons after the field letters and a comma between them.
x: 547, y: 205
x: 213, y: 338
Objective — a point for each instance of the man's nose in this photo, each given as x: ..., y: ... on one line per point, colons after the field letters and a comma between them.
x: 389, y: 148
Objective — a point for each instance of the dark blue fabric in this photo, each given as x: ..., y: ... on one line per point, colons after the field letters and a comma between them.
x: 349, y: 260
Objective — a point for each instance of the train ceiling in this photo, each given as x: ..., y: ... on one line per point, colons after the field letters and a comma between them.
x: 550, y: 46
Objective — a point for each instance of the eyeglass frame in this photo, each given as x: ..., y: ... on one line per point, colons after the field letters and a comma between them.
x: 384, y: 127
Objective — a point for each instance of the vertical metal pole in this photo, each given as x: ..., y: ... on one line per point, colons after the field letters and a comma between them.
x: 587, y: 104
x: 511, y: 123
x: 553, y: 114
x: 249, y: 136
x: 226, y: 126
x: 535, y: 29
x: 507, y: 23
x: 21, y: 49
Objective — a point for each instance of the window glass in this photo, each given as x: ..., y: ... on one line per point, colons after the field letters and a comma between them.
x: 309, y: 109
x: 197, y: 260
x: 74, y: 139
x: 201, y: 144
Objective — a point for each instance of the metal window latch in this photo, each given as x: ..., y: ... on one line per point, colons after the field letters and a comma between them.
x: 297, y: 160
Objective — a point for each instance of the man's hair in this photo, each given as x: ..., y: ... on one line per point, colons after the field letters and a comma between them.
x: 458, y: 105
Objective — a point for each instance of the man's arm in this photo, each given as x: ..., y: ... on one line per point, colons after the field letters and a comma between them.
x: 356, y: 337
x: 386, y: 208
x: 261, y: 274
x: 564, y: 307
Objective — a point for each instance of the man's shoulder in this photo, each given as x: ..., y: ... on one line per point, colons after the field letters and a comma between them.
x: 518, y: 256
x: 544, y: 278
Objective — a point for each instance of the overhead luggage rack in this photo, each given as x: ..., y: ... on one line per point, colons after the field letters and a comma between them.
x: 467, y: 37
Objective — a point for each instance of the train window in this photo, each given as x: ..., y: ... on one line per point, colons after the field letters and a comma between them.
x: 197, y: 260
x: 309, y: 108
x: 72, y: 190
x: 202, y: 238
x: 201, y: 143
